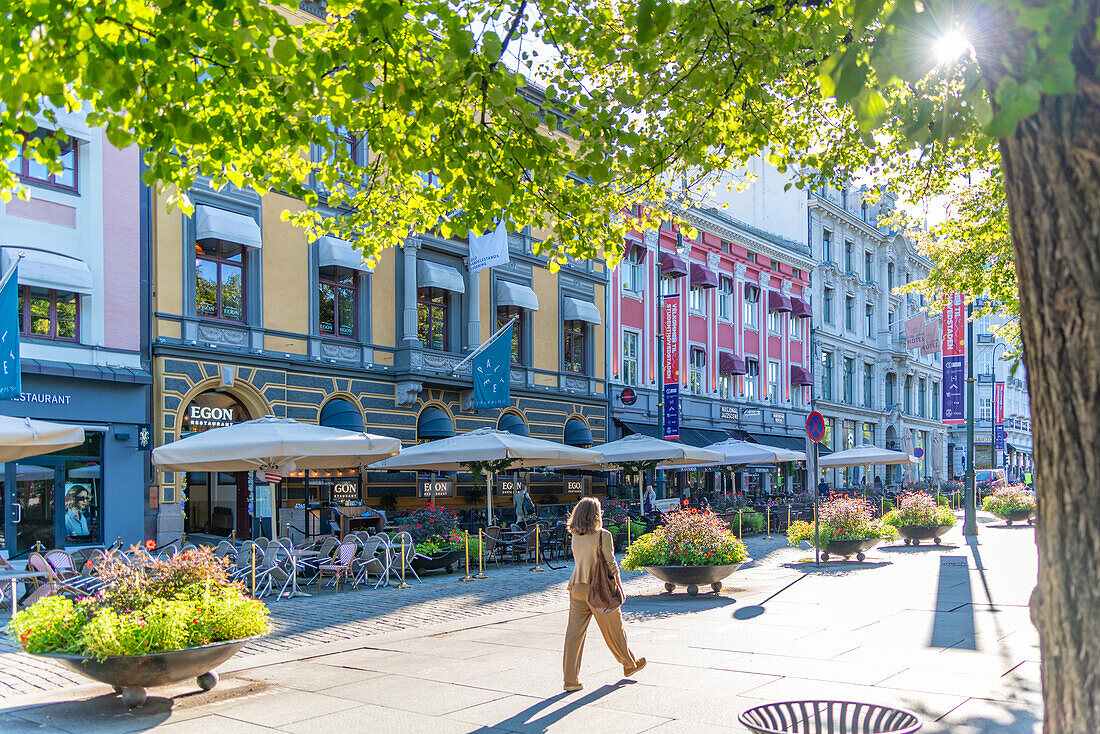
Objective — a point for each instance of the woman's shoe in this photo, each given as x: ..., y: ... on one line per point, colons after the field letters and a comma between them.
x: 573, y: 688
x: 638, y: 665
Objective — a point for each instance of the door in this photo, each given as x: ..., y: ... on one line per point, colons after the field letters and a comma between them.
x: 34, y: 507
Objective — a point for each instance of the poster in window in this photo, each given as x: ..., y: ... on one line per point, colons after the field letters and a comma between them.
x: 79, y: 511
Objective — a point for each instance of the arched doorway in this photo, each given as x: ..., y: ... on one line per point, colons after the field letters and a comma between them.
x: 216, y: 502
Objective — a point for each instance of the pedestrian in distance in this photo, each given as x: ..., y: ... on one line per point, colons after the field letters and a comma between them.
x: 524, y: 507
x: 649, y: 502
x: 590, y: 541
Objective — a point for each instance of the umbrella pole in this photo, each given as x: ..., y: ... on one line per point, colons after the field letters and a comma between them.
x: 274, y: 510
x: 488, y: 498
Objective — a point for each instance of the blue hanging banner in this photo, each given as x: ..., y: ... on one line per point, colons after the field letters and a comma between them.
x: 492, y: 373
x: 10, y: 383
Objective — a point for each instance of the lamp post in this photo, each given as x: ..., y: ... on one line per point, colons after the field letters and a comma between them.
x: 970, y: 521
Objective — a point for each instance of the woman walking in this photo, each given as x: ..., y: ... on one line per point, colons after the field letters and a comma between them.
x: 590, y: 541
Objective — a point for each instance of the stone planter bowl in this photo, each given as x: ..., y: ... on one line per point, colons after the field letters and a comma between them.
x: 447, y: 560
x: 132, y: 674
x: 1016, y: 516
x: 914, y: 534
x: 849, y: 548
x: 694, y: 576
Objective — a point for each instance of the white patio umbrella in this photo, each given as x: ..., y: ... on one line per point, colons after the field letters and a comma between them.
x: 274, y: 445
x: 734, y: 451
x: 92, y: 471
x: 487, y: 444
x: 30, y: 472
x: 22, y: 437
x: 865, y: 455
x: 638, y: 448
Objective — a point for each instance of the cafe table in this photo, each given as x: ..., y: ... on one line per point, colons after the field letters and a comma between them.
x: 14, y: 577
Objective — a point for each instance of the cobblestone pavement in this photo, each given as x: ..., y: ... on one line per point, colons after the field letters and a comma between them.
x: 354, y: 614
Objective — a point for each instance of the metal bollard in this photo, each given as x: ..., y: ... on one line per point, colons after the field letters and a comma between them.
x: 537, y: 566
x: 788, y: 516
x: 183, y: 540
x: 253, y: 570
x: 403, y: 585
x: 768, y: 515
x: 739, y: 524
x: 467, y: 577
x: 480, y: 555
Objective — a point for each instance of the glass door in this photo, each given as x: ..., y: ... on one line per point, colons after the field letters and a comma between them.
x: 34, y: 506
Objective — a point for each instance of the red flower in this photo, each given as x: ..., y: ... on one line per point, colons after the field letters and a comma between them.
x: 418, y: 525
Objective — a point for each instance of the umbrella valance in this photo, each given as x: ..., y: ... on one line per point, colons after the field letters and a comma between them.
x: 22, y: 437
x: 637, y: 448
x: 744, y: 452
x: 487, y: 444
x: 865, y: 455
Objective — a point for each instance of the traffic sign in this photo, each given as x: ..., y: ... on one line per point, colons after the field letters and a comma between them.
x: 815, y: 426
x: 918, y: 452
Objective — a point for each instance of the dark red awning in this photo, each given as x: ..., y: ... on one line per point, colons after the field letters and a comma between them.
x: 800, y: 308
x: 672, y: 264
x: 703, y: 277
x: 778, y: 302
x: 801, y: 376
x: 730, y: 364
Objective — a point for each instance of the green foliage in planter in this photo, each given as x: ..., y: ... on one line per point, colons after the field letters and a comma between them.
x: 751, y: 521
x: 1008, y: 499
x: 842, y: 518
x: 921, y: 510
x: 148, y: 606
x: 689, y: 538
x: 451, y: 541
x: 636, y: 528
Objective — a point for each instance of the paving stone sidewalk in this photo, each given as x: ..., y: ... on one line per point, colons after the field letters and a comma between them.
x: 941, y: 630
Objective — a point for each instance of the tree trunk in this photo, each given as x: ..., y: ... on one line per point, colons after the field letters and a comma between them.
x: 1052, y: 181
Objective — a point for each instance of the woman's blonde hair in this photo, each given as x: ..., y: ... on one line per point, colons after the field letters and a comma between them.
x: 587, y: 517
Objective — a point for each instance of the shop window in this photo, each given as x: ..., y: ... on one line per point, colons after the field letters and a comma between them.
x: 725, y: 386
x: 506, y: 314
x: 49, y: 314
x: 725, y: 299
x: 432, y: 307
x: 337, y: 301
x: 830, y: 430
x: 698, y: 364
x: 574, y: 334
x: 631, y: 358
x: 219, y: 280
x: 30, y: 170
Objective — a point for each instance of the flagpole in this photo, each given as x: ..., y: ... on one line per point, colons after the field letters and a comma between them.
x: 11, y: 270
x: 484, y: 344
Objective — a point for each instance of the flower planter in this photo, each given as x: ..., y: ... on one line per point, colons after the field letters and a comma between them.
x: 132, y: 674
x: 849, y: 548
x: 1016, y: 516
x: 447, y: 560
x: 914, y: 534
x: 694, y: 576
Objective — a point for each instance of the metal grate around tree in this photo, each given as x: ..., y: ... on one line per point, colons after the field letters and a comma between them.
x: 829, y: 717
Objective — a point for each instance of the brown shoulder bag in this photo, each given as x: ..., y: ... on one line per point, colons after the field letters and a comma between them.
x: 606, y: 592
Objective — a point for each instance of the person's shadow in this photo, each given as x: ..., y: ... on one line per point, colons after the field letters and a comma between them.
x: 528, y: 720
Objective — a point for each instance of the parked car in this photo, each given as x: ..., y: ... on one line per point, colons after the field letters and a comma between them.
x: 987, y: 480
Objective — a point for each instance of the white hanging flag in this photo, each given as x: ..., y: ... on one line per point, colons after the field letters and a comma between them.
x: 489, y: 250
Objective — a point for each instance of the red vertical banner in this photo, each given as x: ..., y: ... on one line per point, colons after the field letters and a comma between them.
x: 999, y: 403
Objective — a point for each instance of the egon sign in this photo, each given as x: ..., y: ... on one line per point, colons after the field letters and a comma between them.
x: 213, y: 410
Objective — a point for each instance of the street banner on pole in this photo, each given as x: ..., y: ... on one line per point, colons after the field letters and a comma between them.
x: 999, y: 416
x: 10, y: 381
x: 492, y: 373
x: 490, y: 249
x: 954, y: 359
x: 670, y: 328
x: 914, y: 332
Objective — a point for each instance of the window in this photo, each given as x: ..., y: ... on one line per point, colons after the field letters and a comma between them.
x: 631, y: 358
x: 826, y: 375
x: 869, y: 433
x: 869, y: 322
x: 890, y: 276
x: 827, y: 246
x: 848, y: 252
x: 844, y: 198
x: 890, y: 322
x: 868, y: 266
x: 504, y: 315
x: 49, y: 314
x: 868, y: 386
x: 633, y: 270
x: 849, y: 369
x: 668, y: 285
x: 981, y: 325
x: 725, y: 299
x: 863, y: 210
x: 827, y: 305
x: 985, y: 362
x: 336, y: 300
x: 751, y: 257
x: 891, y: 384
x: 830, y: 429
x: 697, y: 363
x: 922, y: 388
x: 796, y: 272
x: 31, y: 171
x: 985, y: 409
x: 775, y: 322
x: 775, y: 266
x: 724, y: 245
x: 909, y: 394
x: 725, y: 386
x: 935, y: 400
x: 219, y: 280
x: 849, y: 433
x: 697, y: 300
x: 752, y: 374
x: 795, y: 327
x: 774, y: 395
x: 849, y: 315
x: 752, y: 298
x: 432, y: 305
x: 573, y: 337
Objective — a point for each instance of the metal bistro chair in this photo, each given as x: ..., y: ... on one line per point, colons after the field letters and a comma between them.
x: 372, y: 560
x: 339, y: 567
x: 493, y: 547
x: 68, y: 573
x: 404, y: 537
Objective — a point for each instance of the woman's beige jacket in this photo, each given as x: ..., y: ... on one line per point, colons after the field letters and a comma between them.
x: 585, y: 548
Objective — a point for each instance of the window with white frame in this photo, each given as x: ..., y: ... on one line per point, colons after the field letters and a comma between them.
x: 697, y: 300
x: 668, y: 285
x: 631, y: 358
x: 985, y: 361
x: 775, y: 322
x: 827, y: 246
x: 774, y: 395
x: 725, y: 299
x: 725, y: 386
x: 985, y: 409
x: 633, y: 270
x: 698, y: 364
x: 827, y: 303
x: 752, y: 374
x: 752, y: 299
x: 795, y: 328
x: 869, y: 318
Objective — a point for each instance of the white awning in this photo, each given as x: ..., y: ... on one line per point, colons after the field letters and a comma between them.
x: 212, y: 223
x: 50, y: 270
x: 335, y: 251
x: 514, y: 294
x: 577, y: 310
x: 436, y: 275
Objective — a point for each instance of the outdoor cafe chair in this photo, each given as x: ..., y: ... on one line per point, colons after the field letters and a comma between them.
x: 310, y: 560
x: 65, y: 567
x: 491, y: 546
x: 339, y: 567
x: 371, y: 561
x: 403, y: 538
x: 52, y: 584
x: 243, y: 570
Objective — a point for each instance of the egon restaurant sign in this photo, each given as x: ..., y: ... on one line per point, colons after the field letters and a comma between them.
x: 213, y: 410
